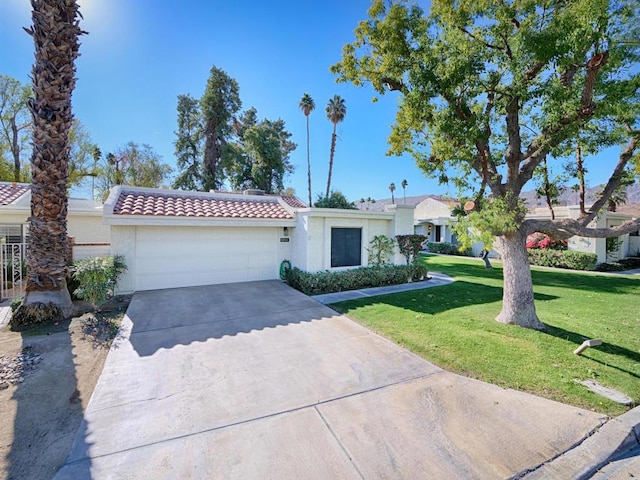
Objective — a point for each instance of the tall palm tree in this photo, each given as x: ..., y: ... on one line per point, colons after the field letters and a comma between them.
x: 392, y: 188
x: 55, y: 33
x: 307, y: 105
x: 336, y: 111
x: 404, y: 190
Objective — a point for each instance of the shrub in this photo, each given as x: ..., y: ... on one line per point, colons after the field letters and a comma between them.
x: 448, y: 249
x: 542, y: 241
x: 380, y: 249
x: 410, y: 246
x: 363, y: 277
x: 97, y: 277
x: 620, y: 265
x: 563, y: 259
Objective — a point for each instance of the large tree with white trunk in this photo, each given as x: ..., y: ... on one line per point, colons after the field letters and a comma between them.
x: 490, y: 91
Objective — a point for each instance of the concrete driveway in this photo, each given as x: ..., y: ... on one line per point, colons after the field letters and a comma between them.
x: 258, y: 381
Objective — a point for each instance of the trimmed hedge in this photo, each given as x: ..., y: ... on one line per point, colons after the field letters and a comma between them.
x: 363, y: 277
x: 623, y: 264
x: 563, y: 259
x: 448, y: 249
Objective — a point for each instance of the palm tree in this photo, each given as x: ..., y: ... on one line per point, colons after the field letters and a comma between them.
x: 392, y: 188
x: 404, y: 190
x: 55, y: 33
x: 336, y: 111
x: 617, y: 198
x: 307, y: 105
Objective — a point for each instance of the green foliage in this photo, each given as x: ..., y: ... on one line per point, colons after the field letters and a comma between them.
x: 335, y: 200
x: 563, y: 259
x: 353, y: 279
x: 448, y: 249
x: 380, y: 249
x: 410, y: 246
x: 490, y: 91
x: 97, y: 277
x: 219, y: 105
x: 612, y: 247
x: 133, y: 164
x: 14, y: 118
x: 260, y: 154
x: 189, y: 144
x: 620, y: 265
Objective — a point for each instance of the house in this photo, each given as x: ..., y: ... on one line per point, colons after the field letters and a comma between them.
x: 84, y: 226
x: 626, y: 245
x: 84, y: 220
x: 173, y: 238
x: 432, y: 217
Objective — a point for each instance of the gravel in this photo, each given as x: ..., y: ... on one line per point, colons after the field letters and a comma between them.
x: 13, y: 370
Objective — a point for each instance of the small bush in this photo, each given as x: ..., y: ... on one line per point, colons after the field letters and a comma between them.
x: 448, y: 249
x: 380, y: 249
x: 620, y: 265
x: 97, y: 277
x: 563, y: 259
x: 363, y: 277
x: 410, y: 246
x: 542, y: 241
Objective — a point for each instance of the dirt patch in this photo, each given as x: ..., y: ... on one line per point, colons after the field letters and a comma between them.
x: 48, y: 374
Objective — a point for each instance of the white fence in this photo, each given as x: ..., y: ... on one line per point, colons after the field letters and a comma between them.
x: 14, y: 269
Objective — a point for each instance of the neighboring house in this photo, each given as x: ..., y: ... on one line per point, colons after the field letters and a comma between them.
x: 432, y: 217
x: 84, y: 220
x: 627, y: 245
x: 173, y: 238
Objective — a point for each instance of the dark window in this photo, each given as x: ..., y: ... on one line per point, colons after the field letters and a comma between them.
x: 346, y: 247
x: 635, y: 234
x: 438, y: 233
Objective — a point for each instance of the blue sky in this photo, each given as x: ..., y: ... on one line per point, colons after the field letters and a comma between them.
x: 141, y: 54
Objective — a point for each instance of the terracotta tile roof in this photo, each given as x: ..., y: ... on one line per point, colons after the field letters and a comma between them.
x: 185, y: 205
x: 10, y: 193
x: 294, y: 202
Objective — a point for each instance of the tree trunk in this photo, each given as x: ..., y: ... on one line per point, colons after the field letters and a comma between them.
x: 518, y: 307
x: 309, y: 164
x: 15, y: 150
x: 333, y: 151
x: 55, y: 34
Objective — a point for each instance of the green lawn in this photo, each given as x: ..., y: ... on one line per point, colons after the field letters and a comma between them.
x: 453, y: 326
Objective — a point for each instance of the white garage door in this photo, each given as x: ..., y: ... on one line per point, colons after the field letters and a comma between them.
x: 189, y: 256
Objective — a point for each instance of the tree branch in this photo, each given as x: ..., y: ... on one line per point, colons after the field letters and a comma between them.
x: 614, y: 180
x: 477, y: 39
x: 568, y: 227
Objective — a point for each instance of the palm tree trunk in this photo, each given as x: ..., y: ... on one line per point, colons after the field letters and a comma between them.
x: 55, y: 34
x: 308, y: 163
x: 333, y: 151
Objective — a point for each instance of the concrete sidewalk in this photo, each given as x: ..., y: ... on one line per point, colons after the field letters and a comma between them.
x: 256, y: 380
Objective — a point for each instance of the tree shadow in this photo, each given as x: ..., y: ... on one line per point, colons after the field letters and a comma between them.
x: 49, y: 410
x: 433, y: 300
x: 165, y: 318
x: 606, y: 347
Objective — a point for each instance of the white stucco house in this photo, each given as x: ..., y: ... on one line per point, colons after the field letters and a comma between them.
x: 628, y: 244
x: 84, y: 221
x: 432, y: 217
x: 173, y: 238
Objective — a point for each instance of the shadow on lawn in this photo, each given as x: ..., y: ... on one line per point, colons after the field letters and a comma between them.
x: 605, y: 347
x: 433, y: 301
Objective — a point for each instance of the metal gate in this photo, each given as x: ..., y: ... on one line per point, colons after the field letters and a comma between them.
x: 14, y: 269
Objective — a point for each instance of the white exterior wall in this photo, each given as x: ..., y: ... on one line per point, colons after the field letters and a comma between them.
x: 590, y: 244
x: 634, y: 246
x: 311, y: 250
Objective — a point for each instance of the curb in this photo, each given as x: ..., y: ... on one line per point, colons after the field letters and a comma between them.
x: 585, y: 459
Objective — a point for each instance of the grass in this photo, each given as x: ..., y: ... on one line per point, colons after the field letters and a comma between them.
x: 453, y: 326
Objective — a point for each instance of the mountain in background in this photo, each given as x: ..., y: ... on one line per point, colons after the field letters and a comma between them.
x: 568, y: 197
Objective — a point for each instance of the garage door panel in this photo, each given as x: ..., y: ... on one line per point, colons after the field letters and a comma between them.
x: 189, y: 256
